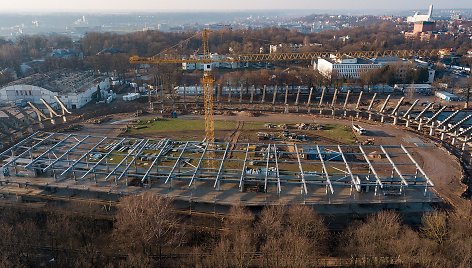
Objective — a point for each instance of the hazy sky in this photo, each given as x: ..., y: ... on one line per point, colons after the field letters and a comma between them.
x: 189, y: 5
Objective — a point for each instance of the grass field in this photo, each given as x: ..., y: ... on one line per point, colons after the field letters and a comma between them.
x: 177, y: 125
x: 340, y: 133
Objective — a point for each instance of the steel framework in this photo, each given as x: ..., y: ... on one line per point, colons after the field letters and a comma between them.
x: 270, y: 168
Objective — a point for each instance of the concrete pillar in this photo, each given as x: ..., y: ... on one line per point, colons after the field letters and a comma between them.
x: 241, y: 93
x: 252, y: 94
x: 298, y: 95
x: 454, y: 138
x: 370, y: 116
x: 465, y: 146
x: 322, y: 96
x: 420, y: 124
x: 408, y: 121
x: 195, y: 97
x: 395, y: 120
x: 274, y: 95
x: 185, y: 96
x: 286, y: 95
x: 432, y: 130
x: 382, y: 119
x: 230, y: 93
x: 443, y: 135
x: 333, y: 102
x: 359, y: 100
x: 347, y: 99
x: 309, y: 97
x: 263, y: 94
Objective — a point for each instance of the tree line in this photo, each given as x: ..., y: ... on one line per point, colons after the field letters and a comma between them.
x: 147, y: 231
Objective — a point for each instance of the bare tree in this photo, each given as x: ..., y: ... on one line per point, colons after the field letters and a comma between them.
x: 434, y: 226
x: 237, y: 244
x: 144, y: 221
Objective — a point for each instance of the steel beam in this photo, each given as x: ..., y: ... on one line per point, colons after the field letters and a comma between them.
x: 176, y: 163
x: 395, y: 110
x: 66, y: 153
x: 348, y: 168
x: 394, y: 166
x: 48, y: 150
x: 83, y: 156
x: 102, y: 158
x: 371, y: 167
x: 220, y: 169
x: 328, y: 180
x: 243, y: 170
x: 199, y: 164
x: 411, y: 108
x: 420, y: 115
x: 447, y: 119
x: 302, y: 173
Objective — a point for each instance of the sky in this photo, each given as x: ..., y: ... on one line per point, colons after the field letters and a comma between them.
x: 208, y: 5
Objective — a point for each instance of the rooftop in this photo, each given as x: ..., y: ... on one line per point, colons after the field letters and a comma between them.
x: 63, y: 81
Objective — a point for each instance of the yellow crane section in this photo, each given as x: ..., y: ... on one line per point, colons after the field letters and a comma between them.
x: 290, y: 56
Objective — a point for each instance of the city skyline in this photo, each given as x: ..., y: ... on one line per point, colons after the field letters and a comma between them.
x: 210, y: 5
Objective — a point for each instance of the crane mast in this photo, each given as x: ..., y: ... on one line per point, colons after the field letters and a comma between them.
x: 207, y: 83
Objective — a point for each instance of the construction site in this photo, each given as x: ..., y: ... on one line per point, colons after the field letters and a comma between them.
x: 339, y: 151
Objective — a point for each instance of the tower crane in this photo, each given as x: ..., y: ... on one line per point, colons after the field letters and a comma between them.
x: 208, y: 80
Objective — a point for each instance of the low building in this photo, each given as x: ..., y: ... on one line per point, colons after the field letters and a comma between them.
x: 444, y: 95
x: 75, y: 89
x: 425, y: 89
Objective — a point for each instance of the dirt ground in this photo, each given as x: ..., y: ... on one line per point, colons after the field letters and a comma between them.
x: 443, y: 168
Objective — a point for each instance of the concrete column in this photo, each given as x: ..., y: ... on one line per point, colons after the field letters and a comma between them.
x: 454, y: 138
x: 432, y: 130
x: 241, y: 94
x: 185, y: 96
x: 322, y: 96
x: 408, y: 121
x: 286, y: 95
x: 347, y: 99
x: 465, y: 146
x: 443, y: 135
x: 395, y: 120
x: 359, y: 100
x: 333, y: 102
x: 298, y: 95
x: 309, y: 97
x: 195, y: 97
x: 382, y: 119
x: 263, y: 94
x: 252, y: 94
x: 230, y: 88
x: 420, y: 124
x: 274, y: 95
x: 370, y: 116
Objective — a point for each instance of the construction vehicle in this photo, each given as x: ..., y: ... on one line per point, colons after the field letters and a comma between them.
x: 208, y: 80
x: 358, y: 129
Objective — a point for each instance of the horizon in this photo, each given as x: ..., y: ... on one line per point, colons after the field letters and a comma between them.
x: 147, y: 6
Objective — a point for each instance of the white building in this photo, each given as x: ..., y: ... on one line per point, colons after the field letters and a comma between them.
x: 215, y: 64
x: 75, y: 89
x: 345, y: 68
x: 420, y: 18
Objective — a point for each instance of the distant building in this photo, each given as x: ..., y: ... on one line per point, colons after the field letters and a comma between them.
x: 75, y: 89
x: 443, y: 95
x: 415, y: 88
x: 420, y: 18
x: 350, y: 68
x: 424, y: 26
